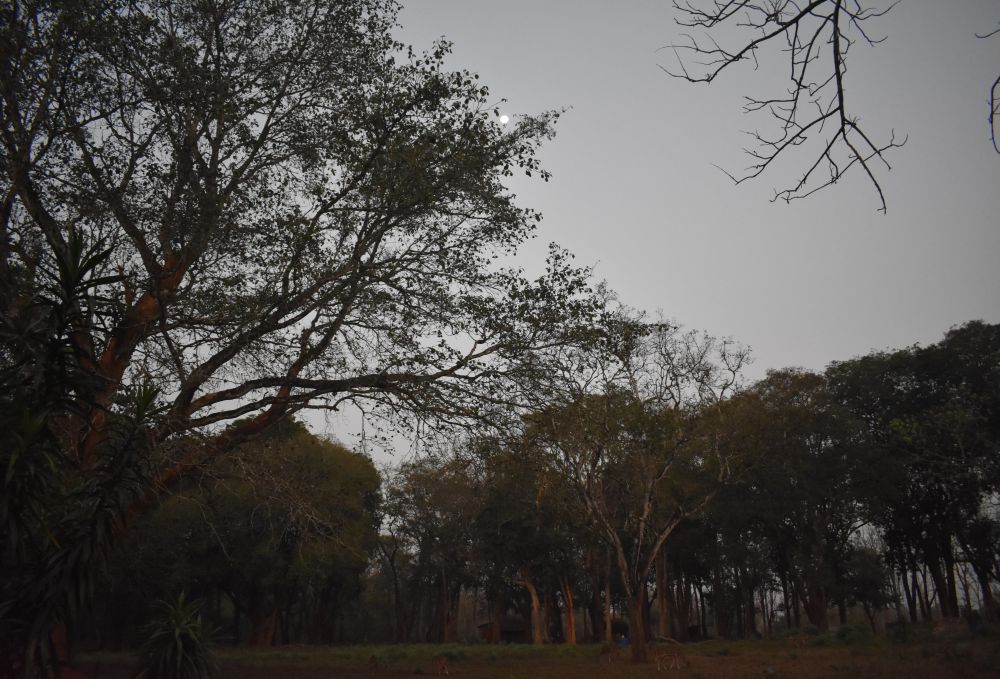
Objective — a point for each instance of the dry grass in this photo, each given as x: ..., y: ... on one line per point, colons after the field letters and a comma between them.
x: 973, y: 659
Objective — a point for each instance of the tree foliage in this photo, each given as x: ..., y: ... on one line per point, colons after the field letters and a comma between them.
x: 215, y: 211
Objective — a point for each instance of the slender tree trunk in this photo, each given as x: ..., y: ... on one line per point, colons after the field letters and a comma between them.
x: 569, y: 621
x: 786, y: 600
x: 990, y: 610
x: 701, y: 604
x: 663, y: 625
x: 796, y: 605
x: 609, y: 635
x: 911, y: 599
x: 921, y: 593
x: 550, y: 615
x: 951, y: 581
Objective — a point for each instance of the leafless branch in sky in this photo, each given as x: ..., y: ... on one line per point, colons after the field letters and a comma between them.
x: 817, y: 37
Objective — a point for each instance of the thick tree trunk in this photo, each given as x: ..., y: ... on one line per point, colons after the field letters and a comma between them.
x: 637, y: 626
x: 816, y: 606
x: 537, y: 626
x: 942, y: 590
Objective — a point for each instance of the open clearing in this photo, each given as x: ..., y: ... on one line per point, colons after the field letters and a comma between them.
x: 710, y: 660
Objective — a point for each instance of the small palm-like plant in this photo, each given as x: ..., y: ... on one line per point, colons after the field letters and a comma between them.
x: 177, y: 646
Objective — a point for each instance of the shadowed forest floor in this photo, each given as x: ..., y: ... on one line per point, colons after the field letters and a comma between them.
x: 710, y: 660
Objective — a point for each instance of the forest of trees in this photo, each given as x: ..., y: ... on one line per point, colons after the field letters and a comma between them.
x: 864, y: 495
x: 219, y: 217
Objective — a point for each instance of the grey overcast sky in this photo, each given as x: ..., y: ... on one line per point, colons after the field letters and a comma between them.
x: 635, y: 191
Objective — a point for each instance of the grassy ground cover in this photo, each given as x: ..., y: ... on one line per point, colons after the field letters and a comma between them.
x: 820, y: 657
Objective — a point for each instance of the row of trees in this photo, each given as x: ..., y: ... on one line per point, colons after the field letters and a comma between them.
x: 215, y: 215
x: 873, y: 484
x: 658, y: 490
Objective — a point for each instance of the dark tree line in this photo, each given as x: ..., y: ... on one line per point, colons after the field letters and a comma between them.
x: 214, y: 215
x: 863, y: 495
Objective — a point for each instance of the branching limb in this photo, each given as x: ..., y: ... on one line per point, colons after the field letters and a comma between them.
x: 816, y: 36
x: 994, y: 118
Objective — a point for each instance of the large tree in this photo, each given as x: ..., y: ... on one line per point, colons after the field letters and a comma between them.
x: 629, y: 443
x: 930, y: 416
x: 219, y: 210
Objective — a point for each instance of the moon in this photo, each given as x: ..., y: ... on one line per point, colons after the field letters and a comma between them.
x: 504, y: 119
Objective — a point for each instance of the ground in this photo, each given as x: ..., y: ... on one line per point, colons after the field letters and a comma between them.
x: 968, y: 659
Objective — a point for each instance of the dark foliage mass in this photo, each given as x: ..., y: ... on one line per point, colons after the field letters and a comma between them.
x: 227, y: 212
x: 850, y: 499
x: 215, y: 216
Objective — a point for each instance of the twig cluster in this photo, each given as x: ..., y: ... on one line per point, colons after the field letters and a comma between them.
x: 817, y: 37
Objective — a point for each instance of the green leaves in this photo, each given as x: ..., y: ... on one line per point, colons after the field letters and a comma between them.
x: 177, y: 643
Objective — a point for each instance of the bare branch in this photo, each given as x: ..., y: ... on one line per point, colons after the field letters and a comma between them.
x: 813, y: 112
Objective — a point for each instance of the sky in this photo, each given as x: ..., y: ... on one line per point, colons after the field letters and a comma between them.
x: 636, y: 191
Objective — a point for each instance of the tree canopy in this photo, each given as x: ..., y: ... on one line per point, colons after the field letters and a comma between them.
x: 216, y: 211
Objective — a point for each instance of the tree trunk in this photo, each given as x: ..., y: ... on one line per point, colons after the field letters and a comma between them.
x: 815, y: 605
x: 637, y: 625
x: 786, y: 600
x: 990, y: 610
x: 951, y: 586
x: 609, y: 635
x: 550, y: 615
x: 663, y: 625
x: 537, y: 628
x: 941, y: 589
x: 263, y: 619
x: 911, y: 598
x: 704, y: 622
x: 569, y: 618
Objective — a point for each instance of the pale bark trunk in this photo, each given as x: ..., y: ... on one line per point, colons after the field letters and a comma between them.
x: 570, y: 614
x: 537, y: 629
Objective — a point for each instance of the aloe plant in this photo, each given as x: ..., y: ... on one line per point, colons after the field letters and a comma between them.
x: 178, y: 643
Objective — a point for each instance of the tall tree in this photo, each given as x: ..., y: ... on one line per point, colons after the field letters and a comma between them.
x: 930, y: 416
x: 240, y: 210
x: 625, y: 441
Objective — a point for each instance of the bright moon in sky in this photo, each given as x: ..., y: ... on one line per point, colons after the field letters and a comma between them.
x: 504, y: 119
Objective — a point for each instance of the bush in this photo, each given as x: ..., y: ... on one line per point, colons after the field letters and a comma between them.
x: 177, y: 643
x: 854, y: 634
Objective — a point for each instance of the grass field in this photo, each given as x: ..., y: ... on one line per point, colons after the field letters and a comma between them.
x: 972, y: 659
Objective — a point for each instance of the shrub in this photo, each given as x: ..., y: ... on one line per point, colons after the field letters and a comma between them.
x: 177, y: 643
x: 854, y: 634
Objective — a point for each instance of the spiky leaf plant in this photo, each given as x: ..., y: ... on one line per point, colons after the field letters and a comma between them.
x: 177, y: 646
